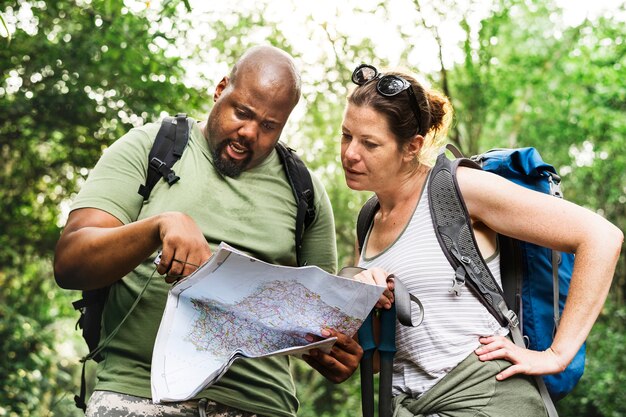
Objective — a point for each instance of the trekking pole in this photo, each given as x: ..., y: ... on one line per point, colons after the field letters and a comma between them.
x: 386, y: 350
x: 366, y: 340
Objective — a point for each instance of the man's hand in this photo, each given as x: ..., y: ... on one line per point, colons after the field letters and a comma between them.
x: 184, y: 246
x: 341, y: 362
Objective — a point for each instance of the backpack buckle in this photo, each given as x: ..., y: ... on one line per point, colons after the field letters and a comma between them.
x: 554, y: 182
x: 458, y: 281
x: 166, y: 172
x: 157, y: 164
x: 512, y: 318
x: 172, y: 178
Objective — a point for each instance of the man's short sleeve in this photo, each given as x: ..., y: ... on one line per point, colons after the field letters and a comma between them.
x: 113, y: 184
x: 319, y: 246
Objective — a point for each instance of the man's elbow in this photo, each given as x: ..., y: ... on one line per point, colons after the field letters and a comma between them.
x: 62, y: 274
x: 66, y: 265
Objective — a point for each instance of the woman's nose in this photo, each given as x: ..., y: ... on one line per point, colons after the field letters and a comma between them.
x: 351, y: 151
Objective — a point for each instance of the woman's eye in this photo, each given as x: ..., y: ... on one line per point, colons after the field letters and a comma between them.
x: 345, y: 137
x: 371, y: 145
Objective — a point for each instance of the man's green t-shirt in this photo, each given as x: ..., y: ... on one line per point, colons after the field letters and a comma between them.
x: 254, y: 213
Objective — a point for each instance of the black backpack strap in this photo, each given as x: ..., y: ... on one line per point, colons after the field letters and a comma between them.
x: 365, y: 220
x: 168, y: 147
x: 511, y: 272
x: 79, y: 399
x: 302, y: 185
x: 90, y: 320
x: 453, y: 229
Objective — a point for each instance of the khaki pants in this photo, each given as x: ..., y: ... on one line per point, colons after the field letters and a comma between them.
x: 471, y: 390
x: 113, y: 404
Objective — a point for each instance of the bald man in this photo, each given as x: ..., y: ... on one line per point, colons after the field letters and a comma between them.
x: 233, y: 188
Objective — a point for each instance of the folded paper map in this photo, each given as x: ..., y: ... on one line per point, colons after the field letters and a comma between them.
x: 235, y: 306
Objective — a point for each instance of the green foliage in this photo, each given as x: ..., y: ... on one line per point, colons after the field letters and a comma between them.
x: 6, y: 29
x: 77, y: 74
x: 37, y: 368
x: 321, y: 398
x: 561, y: 96
x: 600, y: 391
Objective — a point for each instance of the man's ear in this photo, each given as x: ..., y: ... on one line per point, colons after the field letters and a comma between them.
x: 413, y: 147
x: 221, y: 86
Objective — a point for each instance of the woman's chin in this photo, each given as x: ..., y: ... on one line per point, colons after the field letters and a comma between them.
x: 355, y: 185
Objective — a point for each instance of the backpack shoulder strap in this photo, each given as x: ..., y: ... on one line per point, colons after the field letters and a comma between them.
x: 302, y: 185
x: 94, y: 353
x: 365, y: 220
x: 454, y: 232
x: 169, y: 144
x: 90, y: 307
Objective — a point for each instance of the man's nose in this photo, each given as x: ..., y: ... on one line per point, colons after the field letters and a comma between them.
x: 249, y: 130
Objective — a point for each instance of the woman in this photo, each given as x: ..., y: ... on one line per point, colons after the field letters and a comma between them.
x: 392, y: 129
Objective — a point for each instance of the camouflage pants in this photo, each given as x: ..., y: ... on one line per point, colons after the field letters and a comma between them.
x: 113, y: 404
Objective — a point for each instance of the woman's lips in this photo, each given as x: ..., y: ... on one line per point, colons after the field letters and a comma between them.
x: 352, y: 171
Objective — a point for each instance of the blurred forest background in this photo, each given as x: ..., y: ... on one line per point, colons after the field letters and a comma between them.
x: 77, y: 74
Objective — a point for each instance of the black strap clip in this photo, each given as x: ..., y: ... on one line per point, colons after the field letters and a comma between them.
x: 167, y: 173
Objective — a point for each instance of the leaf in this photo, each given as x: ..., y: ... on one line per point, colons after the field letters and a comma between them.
x: 6, y: 28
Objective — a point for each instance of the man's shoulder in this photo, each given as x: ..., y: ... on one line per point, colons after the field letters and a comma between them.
x: 150, y: 129
x: 142, y: 136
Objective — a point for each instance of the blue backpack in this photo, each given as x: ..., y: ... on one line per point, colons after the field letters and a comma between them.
x: 538, y: 278
x: 535, y: 280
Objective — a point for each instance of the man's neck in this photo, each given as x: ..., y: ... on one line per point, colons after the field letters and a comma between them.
x: 203, y: 128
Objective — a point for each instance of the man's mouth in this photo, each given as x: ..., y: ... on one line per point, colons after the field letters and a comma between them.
x: 236, y: 150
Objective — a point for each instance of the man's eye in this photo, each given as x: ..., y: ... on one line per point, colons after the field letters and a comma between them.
x: 269, y: 126
x: 345, y: 137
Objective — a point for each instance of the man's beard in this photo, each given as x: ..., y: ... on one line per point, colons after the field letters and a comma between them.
x: 226, y: 166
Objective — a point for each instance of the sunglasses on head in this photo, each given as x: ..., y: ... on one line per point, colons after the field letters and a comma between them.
x: 387, y: 85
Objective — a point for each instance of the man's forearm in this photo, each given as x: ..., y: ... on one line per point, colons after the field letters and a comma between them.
x: 96, y: 256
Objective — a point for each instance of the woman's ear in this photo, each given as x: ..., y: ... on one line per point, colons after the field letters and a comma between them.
x: 413, y: 147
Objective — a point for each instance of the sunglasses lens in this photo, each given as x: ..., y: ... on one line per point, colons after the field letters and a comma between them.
x: 390, y: 85
x: 364, y: 74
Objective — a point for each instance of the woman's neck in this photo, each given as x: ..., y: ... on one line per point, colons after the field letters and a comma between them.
x: 404, y: 193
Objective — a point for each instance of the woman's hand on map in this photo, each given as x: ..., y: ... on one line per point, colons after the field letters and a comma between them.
x: 380, y: 277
